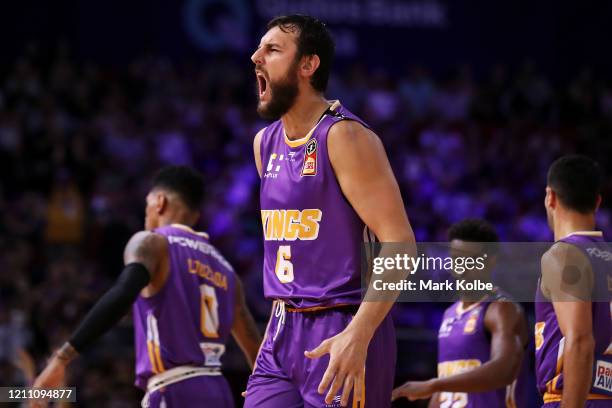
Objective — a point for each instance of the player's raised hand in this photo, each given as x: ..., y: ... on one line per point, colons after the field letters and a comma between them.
x: 346, y: 369
x: 414, y: 390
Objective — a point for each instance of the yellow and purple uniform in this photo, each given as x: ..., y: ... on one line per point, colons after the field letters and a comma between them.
x: 465, y: 344
x: 181, y: 331
x: 312, y: 267
x: 550, y: 341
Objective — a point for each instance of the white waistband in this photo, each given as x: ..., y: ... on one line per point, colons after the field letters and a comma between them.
x: 177, y: 374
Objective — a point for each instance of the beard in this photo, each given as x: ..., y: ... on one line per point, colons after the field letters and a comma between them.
x: 283, y: 94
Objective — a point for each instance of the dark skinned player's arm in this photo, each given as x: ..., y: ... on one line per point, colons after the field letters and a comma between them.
x: 574, y: 317
x: 506, y: 324
x: 244, y: 329
x: 142, y: 256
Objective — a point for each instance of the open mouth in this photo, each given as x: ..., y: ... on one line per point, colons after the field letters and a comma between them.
x: 262, y: 84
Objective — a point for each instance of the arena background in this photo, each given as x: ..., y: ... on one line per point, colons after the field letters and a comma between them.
x: 472, y: 99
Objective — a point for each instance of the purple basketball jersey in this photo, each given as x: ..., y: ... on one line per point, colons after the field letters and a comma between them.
x: 548, y: 336
x: 189, y: 320
x: 312, y: 235
x: 463, y: 345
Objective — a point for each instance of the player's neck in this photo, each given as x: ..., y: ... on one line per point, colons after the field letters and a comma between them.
x: 570, y: 222
x: 468, y: 300
x: 168, y: 222
x: 182, y: 217
x: 304, y: 114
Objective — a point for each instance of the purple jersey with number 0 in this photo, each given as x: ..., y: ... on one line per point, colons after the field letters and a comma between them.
x: 312, y: 235
x: 550, y: 340
x: 189, y: 320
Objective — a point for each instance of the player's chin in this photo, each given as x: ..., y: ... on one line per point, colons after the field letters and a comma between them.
x: 262, y: 107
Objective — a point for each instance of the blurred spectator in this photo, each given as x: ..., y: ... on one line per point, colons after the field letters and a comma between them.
x: 65, y: 214
x: 14, y: 339
x: 417, y: 89
x: 452, y: 101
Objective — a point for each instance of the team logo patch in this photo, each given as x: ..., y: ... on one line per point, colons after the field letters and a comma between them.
x: 470, y: 325
x: 310, y: 159
x: 603, y: 376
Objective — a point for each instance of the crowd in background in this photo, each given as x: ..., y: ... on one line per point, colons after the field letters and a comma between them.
x: 79, y: 143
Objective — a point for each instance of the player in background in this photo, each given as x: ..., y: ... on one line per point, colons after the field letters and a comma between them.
x: 324, y: 177
x: 573, y: 329
x: 481, y: 340
x: 15, y: 361
x: 186, y: 299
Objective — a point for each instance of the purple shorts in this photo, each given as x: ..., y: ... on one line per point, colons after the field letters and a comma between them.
x: 283, y: 377
x: 203, y: 391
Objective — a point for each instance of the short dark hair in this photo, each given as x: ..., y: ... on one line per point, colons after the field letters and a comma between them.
x: 313, y: 39
x: 188, y: 183
x: 474, y: 230
x: 577, y: 182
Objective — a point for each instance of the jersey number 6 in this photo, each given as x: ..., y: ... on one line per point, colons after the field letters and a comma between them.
x: 284, y: 267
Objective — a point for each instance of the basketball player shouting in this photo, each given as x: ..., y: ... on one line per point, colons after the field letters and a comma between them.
x: 325, y: 180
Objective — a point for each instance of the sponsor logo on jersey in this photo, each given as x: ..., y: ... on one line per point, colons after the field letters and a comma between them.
x: 212, y: 353
x: 274, y: 167
x: 291, y: 225
x: 200, y: 246
x: 603, y: 376
x: 599, y: 253
x: 310, y: 159
x: 446, y: 327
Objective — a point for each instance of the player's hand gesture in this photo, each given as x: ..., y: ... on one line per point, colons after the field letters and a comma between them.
x: 52, y: 377
x: 346, y: 369
x: 414, y: 390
